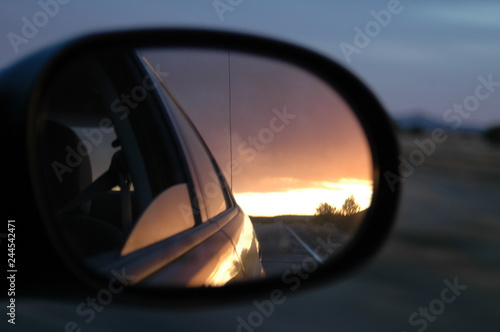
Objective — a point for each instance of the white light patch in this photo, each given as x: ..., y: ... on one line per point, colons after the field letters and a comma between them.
x: 304, y: 201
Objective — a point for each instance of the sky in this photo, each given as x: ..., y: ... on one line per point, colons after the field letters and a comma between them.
x: 416, y: 56
x: 427, y: 56
x: 293, y: 141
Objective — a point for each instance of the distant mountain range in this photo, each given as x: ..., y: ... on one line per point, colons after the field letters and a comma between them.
x: 421, y: 122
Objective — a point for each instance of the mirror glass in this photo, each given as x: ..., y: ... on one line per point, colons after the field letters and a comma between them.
x: 200, y: 167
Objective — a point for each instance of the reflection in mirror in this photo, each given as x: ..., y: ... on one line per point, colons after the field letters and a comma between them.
x: 196, y: 167
x: 295, y: 155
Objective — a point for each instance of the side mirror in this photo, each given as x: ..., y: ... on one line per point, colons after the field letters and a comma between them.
x: 201, y: 159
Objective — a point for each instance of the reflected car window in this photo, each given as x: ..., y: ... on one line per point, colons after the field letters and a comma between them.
x: 210, y: 186
x: 212, y: 196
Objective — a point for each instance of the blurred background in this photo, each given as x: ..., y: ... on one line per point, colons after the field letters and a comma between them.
x: 434, y: 66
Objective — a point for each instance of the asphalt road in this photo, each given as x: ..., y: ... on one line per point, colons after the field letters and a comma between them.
x: 439, y: 270
x: 281, y: 253
x: 282, y: 247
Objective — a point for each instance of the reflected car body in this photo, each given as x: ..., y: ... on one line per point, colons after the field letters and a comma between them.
x: 132, y: 185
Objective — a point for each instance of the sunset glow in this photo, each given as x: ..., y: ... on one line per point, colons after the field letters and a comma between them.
x: 285, y: 140
x: 304, y: 201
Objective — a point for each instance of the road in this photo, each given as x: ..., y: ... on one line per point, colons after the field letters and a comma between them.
x: 448, y: 229
x: 284, y: 245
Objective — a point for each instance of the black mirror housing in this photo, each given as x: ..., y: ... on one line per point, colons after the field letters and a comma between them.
x: 48, y: 270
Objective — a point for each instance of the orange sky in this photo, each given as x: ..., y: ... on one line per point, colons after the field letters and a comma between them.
x: 293, y: 138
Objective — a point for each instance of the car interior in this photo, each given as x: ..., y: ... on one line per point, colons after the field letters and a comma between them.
x: 90, y: 192
x: 89, y: 150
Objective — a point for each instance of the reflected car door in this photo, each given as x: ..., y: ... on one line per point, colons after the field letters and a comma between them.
x: 193, y: 233
x: 213, y: 200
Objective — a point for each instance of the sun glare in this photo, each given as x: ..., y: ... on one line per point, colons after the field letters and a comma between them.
x: 304, y: 201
